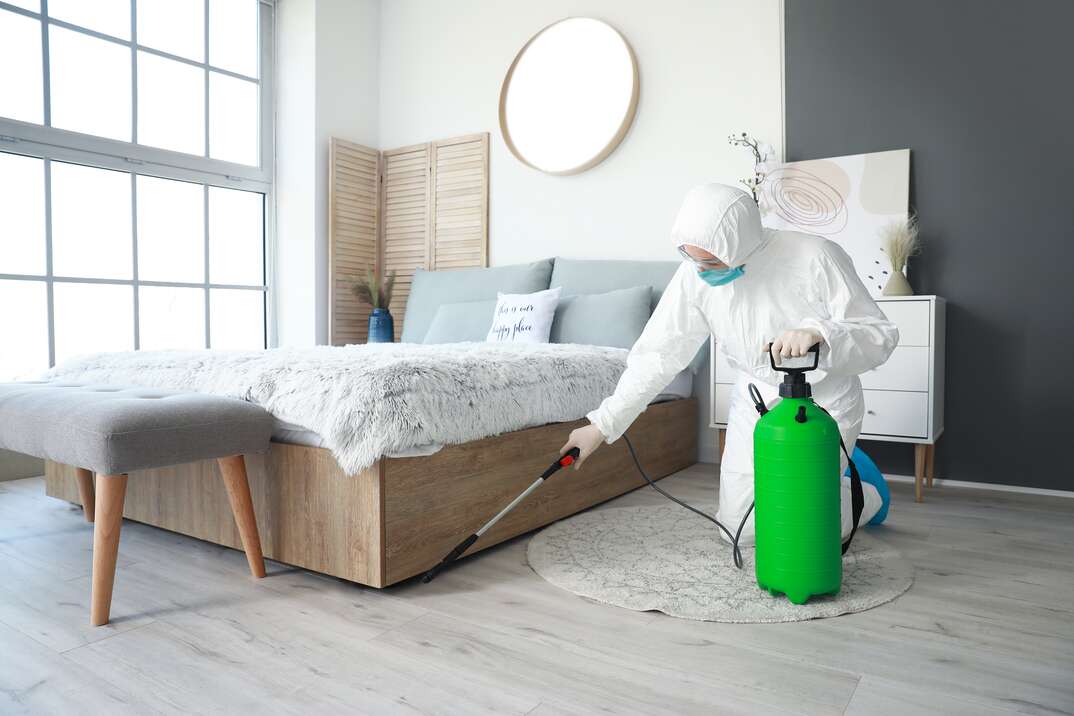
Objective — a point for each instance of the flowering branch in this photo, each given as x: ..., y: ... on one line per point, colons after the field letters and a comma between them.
x: 761, y: 153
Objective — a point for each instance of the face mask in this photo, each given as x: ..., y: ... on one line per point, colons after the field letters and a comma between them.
x: 720, y: 277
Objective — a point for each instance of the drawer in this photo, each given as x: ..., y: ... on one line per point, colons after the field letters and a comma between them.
x: 721, y: 403
x: 912, y: 318
x: 889, y: 412
x: 906, y: 369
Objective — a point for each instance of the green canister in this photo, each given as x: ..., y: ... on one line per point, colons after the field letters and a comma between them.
x: 796, y: 492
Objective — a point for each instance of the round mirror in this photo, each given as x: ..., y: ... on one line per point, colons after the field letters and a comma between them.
x: 569, y: 96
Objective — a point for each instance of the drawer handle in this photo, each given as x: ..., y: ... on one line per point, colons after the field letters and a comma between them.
x: 871, y: 412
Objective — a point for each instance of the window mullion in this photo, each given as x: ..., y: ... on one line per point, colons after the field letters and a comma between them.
x: 64, y: 146
x: 266, y: 87
x: 205, y: 223
x: 49, y: 298
x: 205, y: 212
x: 134, y: 72
x: 134, y: 177
x: 46, y: 82
x: 205, y: 77
x: 134, y: 255
x: 129, y: 282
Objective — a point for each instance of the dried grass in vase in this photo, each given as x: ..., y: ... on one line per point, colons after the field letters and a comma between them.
x: 370, y: 289
x: 900, y: 240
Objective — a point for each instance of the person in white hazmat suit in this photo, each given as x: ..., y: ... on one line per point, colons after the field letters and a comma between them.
x: 749, y: 286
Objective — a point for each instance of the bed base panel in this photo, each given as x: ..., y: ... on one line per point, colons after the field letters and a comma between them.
x: 400, y: 516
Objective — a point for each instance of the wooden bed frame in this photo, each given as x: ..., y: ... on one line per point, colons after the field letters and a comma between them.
x: 400, y: 516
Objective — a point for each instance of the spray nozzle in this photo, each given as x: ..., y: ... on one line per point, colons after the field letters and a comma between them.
x: 795, y: 385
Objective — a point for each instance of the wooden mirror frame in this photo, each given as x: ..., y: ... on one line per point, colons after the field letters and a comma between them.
x: 624, y: 127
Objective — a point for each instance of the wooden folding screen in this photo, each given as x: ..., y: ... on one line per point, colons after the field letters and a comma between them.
x: 432, y: 214
x: 404, y: 236
x: 353, y: 209
x: 459, y: 233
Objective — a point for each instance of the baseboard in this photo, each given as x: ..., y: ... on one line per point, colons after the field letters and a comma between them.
x: 986, y: 486
x: 709, y: 456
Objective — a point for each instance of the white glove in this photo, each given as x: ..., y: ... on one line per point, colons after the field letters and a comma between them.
x: 587, y: 439
x: 794, y: 343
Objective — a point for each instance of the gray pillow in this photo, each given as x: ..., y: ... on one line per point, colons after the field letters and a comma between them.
x: 599, y: 275
x: 615, y: 318
x: 586, y: 276
x: 458, y: 322
x: 432, y: 289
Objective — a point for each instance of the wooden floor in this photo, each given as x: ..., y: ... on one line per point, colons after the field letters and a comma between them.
x: 987, y: 628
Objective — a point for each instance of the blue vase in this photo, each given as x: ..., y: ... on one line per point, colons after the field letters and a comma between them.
x: 381, y: 326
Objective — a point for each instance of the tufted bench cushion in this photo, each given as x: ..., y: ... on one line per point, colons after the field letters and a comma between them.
x: 112, y: 430
x: 117, y: 429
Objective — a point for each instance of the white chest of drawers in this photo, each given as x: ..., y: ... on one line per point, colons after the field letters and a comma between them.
x: 903, y: 397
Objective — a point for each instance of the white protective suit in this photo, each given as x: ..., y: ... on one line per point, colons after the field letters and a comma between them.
x: 792, y: 280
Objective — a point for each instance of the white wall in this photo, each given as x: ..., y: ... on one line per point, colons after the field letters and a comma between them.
x: 294, y: 275
x: 347, y: 87
x: 327, y: 77
x: 708, y: 68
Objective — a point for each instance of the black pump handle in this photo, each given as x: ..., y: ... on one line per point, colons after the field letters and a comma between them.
x: 814, y: 349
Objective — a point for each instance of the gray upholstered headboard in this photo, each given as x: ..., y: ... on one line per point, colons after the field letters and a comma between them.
x: 431, y: 289
x: 579, y: 276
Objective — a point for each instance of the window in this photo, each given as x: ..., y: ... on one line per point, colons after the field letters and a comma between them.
x: 135, y: 177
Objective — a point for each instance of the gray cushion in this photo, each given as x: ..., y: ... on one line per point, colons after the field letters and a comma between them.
x: 578, y: 276
x: 615, y: 318
x: 459, y: 322
x: 117, y: 429
x: 432, y: 289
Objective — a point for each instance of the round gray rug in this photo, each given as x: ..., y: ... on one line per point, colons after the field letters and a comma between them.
x: 663, y: 558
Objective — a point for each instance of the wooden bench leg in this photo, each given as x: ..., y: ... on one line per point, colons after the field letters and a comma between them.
x: 233, y: 470
x: 85, y: 492
x: 111, y: 489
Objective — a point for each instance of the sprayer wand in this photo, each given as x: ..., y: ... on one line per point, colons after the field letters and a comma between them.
x: 567, y: 459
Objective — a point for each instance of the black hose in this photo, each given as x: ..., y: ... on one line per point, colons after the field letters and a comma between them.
x: 736, y: 554
x: 758, y: 401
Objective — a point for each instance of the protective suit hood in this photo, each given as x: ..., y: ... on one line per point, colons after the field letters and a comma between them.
x: 722, y: 220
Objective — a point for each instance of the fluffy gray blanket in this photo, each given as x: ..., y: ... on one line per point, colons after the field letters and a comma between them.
x: 370, y: 400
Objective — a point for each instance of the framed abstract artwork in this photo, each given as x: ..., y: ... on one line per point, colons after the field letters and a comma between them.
x: 846, y: 199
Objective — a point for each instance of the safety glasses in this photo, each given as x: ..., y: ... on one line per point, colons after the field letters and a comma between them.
x: 702, y: 264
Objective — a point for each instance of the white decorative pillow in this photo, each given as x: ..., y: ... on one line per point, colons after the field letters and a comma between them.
x: 523, y: 317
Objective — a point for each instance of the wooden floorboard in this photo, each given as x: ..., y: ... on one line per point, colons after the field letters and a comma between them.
x: 987, y: 628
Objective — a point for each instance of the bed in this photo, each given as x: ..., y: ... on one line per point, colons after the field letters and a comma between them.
x: 430, y: 440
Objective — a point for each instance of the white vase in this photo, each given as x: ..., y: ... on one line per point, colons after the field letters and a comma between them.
x: 897, y: 285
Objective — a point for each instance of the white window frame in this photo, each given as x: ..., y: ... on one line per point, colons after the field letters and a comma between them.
x: 49, y: 143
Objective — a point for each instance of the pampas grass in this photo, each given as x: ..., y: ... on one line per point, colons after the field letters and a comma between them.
x: 900, y: 241
x: 370, y: 290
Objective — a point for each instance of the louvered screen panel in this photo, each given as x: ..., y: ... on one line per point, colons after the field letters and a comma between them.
x: 405, y: 211
x: 353, y: 203
x: 459, y: 230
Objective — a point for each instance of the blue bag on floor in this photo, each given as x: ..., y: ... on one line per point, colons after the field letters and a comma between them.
x: 871, y: 473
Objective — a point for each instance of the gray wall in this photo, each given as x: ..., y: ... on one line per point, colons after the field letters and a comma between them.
x: 980, y: 91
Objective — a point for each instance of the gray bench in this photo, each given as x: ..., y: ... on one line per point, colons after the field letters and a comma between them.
x: 114, y: 430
